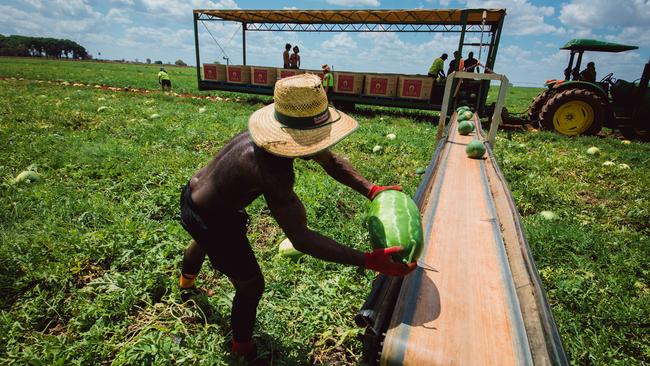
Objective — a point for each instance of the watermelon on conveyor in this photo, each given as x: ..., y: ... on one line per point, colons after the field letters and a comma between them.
x: 394, y: 220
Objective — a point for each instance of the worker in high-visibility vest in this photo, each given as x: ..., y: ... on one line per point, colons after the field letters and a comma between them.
x: 328, y: 81
x: 163, y: 79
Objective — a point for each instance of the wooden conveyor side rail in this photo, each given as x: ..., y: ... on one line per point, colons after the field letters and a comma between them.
x: 543, y: 336
x: 376, y: 312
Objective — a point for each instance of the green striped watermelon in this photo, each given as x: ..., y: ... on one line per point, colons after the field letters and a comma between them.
x: 394, y: 220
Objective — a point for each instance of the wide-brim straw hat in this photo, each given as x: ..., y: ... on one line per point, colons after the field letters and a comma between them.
x: 300, y: 123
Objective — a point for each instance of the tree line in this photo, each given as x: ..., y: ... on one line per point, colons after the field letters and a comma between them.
x: 41, y: 47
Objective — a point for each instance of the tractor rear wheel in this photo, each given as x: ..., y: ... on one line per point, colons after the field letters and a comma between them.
x: 537, y: 104
x: 573, y: 112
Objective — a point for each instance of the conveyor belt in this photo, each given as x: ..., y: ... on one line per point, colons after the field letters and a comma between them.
x: 476, y: 298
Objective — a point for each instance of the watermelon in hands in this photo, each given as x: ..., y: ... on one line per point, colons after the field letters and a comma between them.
x: 394, y: 220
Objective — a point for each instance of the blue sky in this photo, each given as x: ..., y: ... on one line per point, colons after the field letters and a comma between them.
x: 163, y: 30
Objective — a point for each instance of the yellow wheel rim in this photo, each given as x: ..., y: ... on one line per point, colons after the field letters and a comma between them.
x: 573, y: 118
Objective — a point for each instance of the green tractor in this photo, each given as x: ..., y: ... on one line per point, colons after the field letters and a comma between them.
x: 572, y: 106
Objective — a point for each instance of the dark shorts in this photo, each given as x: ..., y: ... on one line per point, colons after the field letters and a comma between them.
x: 166, y: 83
x: 222, y: 236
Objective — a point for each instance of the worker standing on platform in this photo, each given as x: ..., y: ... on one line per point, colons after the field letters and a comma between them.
x: 163, y: 79
x: 437, y: 67
x: 328, y: 81
x: 294, y: 59
x: 471, y: 64
x: 452, y: 64
x: 285, y: 55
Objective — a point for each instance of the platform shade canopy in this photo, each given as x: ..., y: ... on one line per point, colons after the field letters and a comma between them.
x: 417, y: 16
x: 582, y: 44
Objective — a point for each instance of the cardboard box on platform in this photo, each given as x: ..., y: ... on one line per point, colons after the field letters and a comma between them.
x: 214, y: 72
x: 264, y: 76
x: 414, y: 87
x: 238, y: 74
x: 378, y: 85
x: 283, y: 73
x: 348, y: 82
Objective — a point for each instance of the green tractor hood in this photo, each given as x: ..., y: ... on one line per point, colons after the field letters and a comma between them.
x: 583, y: 44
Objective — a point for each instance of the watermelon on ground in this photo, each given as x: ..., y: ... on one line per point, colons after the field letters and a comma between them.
x: 287, y: 250
x: 394, y: 220
x: 27, y: 176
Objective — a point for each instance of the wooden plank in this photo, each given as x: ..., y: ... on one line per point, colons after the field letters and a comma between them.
x: 465, y: 312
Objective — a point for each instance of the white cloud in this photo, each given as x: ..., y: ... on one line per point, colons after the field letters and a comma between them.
x: 352, y: 3
x: 184, y: 8
x: 59, y: 7
x: 118, y: 16
x: 125, y: 2
x: 290, y: 8
x: 523, y: 18
x: 603, y: 13
x: 341, y: 42
x: 631, y: 19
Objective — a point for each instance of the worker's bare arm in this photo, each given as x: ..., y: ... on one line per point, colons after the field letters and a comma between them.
x: 341, y: 170
x: 290, y: 215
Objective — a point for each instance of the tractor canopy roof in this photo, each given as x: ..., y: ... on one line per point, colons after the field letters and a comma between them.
x: 583, y: 44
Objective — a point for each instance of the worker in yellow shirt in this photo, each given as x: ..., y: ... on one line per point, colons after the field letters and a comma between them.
x: 328, y: 81
x: 163, y: 79
x: 437, y: 67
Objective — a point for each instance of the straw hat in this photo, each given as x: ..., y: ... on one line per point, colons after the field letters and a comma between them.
x: 300, y: 122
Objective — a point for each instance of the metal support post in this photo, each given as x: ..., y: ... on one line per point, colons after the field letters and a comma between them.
x: 196, y: 47
x: 243, y: 36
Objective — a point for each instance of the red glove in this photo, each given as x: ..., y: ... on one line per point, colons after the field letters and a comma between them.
x: 381, y: 260
x: 374, y: 191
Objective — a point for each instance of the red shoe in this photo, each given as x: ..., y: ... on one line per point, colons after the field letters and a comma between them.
x: 248, y: 350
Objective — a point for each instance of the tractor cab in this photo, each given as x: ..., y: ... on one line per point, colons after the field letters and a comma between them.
x: 579, y: 104
x: 577, y: 47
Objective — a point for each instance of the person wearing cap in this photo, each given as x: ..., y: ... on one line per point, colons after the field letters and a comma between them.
x: 452, y: 64
x: 328, y: 81
x: 163, y: 79
x: 259, y: 162
x: 294, y: 59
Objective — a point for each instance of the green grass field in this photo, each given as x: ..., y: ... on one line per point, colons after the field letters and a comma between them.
x: 89, y: 257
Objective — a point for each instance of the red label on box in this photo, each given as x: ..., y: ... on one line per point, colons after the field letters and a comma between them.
x: 234, y: 74
x: 412, y: 88
x: 286, y: 73
x: 261, y: 76
x: 210, y: 72
x: 378, y: 85
x: 345, y: 83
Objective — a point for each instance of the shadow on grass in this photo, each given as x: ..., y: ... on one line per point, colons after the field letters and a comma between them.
x: 417, y: 115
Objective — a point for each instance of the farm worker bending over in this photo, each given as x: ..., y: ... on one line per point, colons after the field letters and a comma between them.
x: 328, y: 80
x: 163, y: 79
x: 300, y: 124
x: 436, y: 69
